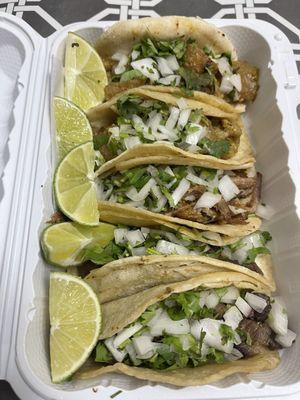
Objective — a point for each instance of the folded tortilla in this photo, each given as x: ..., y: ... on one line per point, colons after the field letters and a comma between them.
x: 123, y: 35
x: 219, y: 235
x: 140, y: 273
x: 105, y: 115
x: 122, y: 307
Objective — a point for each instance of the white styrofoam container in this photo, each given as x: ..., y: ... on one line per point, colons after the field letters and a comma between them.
x: 34, y: 68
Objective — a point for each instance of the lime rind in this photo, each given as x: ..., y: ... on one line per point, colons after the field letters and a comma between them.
x: 85, y: 75
x: 64, y: 342
x: 72, y: 125
x: 74, y: 185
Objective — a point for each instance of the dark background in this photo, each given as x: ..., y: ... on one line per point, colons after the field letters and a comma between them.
x: 46, y: 16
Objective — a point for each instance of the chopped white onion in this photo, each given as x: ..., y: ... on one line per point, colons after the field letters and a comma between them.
x: 132, y: 353
x: 140, y: 126
x: 183, y: 117
x: 135, y: 237
x: 169, y: 171
x: 185, y: 342
x: 233, y: 317
x: 142, y: 345
x: 208, y: 200
x: 237, y: 338
x: 226, y: 253
x: 228, y: 188
x: 173, y: 118
x: 135, y: 54
x: 287, y: 339
x: 240, y: 255
x: 212, y: 300
x: 126, y: 128
x: 250, y: 241
x: 131, y: 141
x: 120, y: 235
x: 118, y: 355
x: 172, y: 62
x: 226, y: 85
x: 154, y: 320
x: 236, y: 81
x: 165, y: 247
x: 174, y: 239
x: 169, y: 80
x: 231, y: 295
x: 154, y: 121
x: 182, y: 103
x: 163, y: 66
x: 243, y: 306
x: 256, y: 302
x: 147, y: 67
x: 234, y: 355
x: 277, y: 318
x: 115, y: 131
x: 123, y: 60
x: 165, y: 134
x: 223, y: 66
x: 145, y: 231
x: 134, y: 195
x: 265, y: 212
x: 165, y: 323
x: 161, y: 199
x: 202, y: 297
x: 126, y: 334
x: 195, y: 179
x: 139, y: 251
x: 180, y: 191
x: 194, y: 137
x: 213, y: 337
x: 152, y: 170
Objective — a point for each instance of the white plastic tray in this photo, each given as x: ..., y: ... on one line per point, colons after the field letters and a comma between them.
x: 35, y: 65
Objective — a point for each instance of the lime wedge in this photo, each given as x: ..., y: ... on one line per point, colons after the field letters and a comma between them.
x: 64, y: 244
x: 72, y: 126
x: 85, y: 75
x: 74, y: 185
x: 75, y: 322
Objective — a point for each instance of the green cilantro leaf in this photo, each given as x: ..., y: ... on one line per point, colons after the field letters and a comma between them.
x: 227, y: 333
x: 218, y: 148
x: 103, y: 355
x: 253, y: 253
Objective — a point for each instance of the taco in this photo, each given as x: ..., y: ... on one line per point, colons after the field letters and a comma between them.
x: 146, y: 126
x: 197, y: 198
x: 175, y: 51
x: 188, y: 330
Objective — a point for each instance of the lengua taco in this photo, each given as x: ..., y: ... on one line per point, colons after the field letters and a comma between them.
x: 175, y: 51
x: 188, y: 331
x: 146, y: 126
x: 217, y: 201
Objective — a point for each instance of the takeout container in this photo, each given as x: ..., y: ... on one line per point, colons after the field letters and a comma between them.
x: 35, y: 67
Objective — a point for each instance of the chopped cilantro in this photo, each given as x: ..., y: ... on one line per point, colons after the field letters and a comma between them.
x: 131, y: 74
x: 148, y: 314
x: 100, y: 140
x: 101, y: 256
x: 254, y: 252
x: 194, y: 81
x: 160, y: 48
x: 227, y: 333
x: 102, y: 354
x: 216, y: 148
